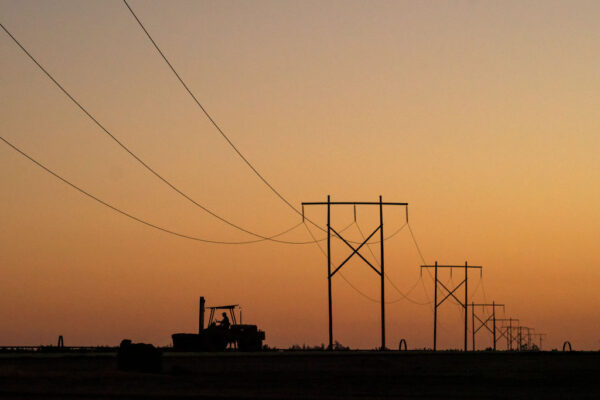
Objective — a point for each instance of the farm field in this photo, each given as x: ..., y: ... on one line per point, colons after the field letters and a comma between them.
x: 296, y: 375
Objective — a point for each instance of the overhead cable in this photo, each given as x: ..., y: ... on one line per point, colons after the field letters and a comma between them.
x: 143, y: 163
x: 212, y: 120
x: 360, y: 292
x: 159, y: 176
x: 405, y: 296
x: 131, y: 216
x: 416, y: 244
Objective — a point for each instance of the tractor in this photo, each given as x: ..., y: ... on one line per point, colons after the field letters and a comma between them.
x: 218, y: 337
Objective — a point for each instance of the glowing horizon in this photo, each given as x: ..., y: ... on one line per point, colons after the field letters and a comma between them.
x: 482, y: 117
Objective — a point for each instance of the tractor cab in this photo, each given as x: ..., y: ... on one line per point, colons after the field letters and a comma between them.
x: 230, y: 309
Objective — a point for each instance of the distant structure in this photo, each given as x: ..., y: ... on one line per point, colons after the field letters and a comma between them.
x: 506, y: 330
x: 450, y: 292
x: 484, y: 324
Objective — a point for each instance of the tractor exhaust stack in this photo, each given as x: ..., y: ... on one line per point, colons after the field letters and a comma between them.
x: 201, y: 315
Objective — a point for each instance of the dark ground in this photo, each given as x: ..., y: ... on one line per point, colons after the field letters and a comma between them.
x: 297, y: 375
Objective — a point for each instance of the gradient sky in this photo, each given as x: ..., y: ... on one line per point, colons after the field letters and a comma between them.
x: 482, y: 115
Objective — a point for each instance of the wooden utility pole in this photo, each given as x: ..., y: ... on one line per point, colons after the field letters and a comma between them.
x: 484, y: 324
x: 450, y: 292
x: 507, y: 334
x: 331, y: 271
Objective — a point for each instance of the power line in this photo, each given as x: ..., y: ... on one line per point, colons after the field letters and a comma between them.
x: 416, y: 244
x: 131, y: 216
x: 414, y: 239
x: 430, y: 302
x: 368, y: 246
x: 477, y: 288
x: 139, y: 160
x: 442, y: 326
x: 425, y: 292
x: 160, y: 177
x: 397, y: 231
x: 366, y: 296
x: 483, y: 290
x: 404, y: 295
x: 423, y: 259
x: 213, y: 122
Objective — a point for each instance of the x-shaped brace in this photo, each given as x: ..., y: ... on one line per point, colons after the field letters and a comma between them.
x: 355, y: 251
x: 503, y: 334
x: 483, y: 324
x: 451, y: 293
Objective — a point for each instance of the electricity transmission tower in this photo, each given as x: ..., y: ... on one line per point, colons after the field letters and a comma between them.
x: 484, y: 324
x: 528, y: 329
x: 530, y: 334
x: 355, y: 251
x: 517, y: 338
x: 508, y: 331
x: 450, y: 292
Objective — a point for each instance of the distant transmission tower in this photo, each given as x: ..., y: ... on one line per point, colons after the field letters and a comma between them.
x: 506, y: 331
x: 450, y: 292
x: 521, y: 329
x: 484, y: 324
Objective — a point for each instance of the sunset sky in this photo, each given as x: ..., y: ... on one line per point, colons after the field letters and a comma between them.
x: 483, y: 116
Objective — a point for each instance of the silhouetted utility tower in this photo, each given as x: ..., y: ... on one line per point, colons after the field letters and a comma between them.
x: 484, y: 324
x: 507, y: 331
x: 521, y: 328
x: 450, y: 293
x: 529, y: 330
x: 516, y: 337
x: 355, y: 250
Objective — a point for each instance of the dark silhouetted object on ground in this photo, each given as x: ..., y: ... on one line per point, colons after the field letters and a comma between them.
x: 401, y: 347
x: 216, y: 337
x: 139, y: 357
x: 340, y: 375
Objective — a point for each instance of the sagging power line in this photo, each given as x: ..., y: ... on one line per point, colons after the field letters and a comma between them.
x: 403, y: 295
x: 144, y: 163
x: 212, y: 120
x: 125, y: 213
x: 272, y: 238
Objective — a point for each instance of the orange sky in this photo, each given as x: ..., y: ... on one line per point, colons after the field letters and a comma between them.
x: 482, y: 116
